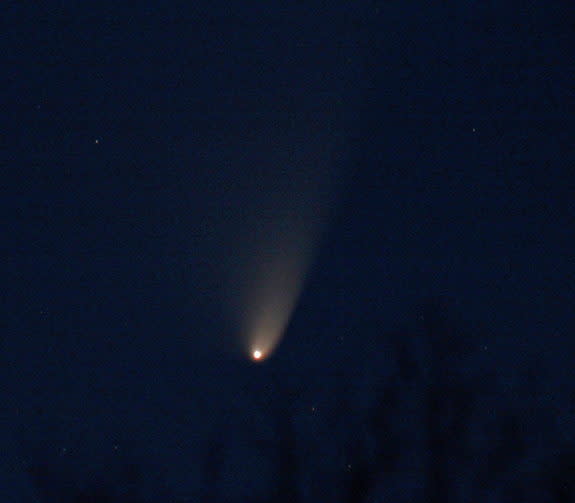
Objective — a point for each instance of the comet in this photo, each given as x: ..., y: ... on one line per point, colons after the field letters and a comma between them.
x: 273, y: 257
x: 272, y: 175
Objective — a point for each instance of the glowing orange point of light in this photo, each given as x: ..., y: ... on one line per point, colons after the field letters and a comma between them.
x: 257, y: 354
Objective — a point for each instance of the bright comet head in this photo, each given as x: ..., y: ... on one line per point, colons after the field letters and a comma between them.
x: 257, y: 354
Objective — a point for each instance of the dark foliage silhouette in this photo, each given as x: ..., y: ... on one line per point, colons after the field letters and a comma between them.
x: 128, y: 484
x: 440, y: 428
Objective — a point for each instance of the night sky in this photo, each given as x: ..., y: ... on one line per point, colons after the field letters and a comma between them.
x: 379, y: 196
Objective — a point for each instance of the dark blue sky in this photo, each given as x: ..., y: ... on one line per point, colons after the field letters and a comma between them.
x: 148, y: 148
